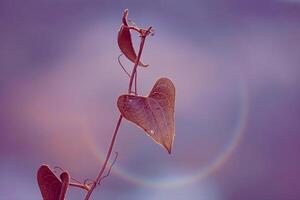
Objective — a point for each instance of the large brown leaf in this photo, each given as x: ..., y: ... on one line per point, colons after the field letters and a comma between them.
x: 154, y: 114
x: 52, y: 188
x: 125, y: 41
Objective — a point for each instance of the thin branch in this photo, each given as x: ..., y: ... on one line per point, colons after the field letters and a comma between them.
x: 143, y: 37
x: 106, y: 159
x: 144, y: 34
x: 135, y: 83
x: 133, y: 28
x: 82, y: 186
x: 112, y: 164
x: 94, y: 183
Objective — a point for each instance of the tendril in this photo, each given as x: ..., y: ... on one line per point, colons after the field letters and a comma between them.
x: 122, y: 65
x: 109, y: 170
x: 57, y: 168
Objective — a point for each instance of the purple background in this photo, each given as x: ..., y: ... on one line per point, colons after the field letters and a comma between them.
x: 235, y: 65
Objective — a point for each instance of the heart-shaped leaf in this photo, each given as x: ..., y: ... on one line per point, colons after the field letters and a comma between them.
x: 52, y: 188
x: 154, y: 114
x: 125, y: 41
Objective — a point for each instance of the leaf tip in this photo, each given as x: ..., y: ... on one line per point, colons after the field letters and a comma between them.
x: 169, y: 151
x: 124, y: 19
x: 168, y: 148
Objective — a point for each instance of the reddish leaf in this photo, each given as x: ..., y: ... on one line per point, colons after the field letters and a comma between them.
x: 51, y: 187
x: 125, y: 41
x: 154, y: 114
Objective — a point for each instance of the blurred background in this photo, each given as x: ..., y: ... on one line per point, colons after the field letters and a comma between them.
x: 235, y: 65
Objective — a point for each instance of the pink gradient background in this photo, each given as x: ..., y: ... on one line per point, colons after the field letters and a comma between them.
x: 235, y: 65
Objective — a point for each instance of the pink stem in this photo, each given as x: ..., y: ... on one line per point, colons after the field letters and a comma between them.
x: 85, y: 187
x: 143, y: 37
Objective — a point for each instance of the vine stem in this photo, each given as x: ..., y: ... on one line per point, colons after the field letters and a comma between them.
x: 144, y: 34
x: 79, y: 186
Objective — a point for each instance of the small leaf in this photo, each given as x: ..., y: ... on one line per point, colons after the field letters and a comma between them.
x: 154, y: 114
x: 52, y: 188
x: 125, y: 41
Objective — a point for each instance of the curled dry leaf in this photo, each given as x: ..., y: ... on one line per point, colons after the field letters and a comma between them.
x: 125, y: 41
x: 52, y: 188
x: 154, y: 114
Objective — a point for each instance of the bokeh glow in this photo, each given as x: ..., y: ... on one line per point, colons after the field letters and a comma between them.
x: 235, y: 65
x: 174, y: 181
